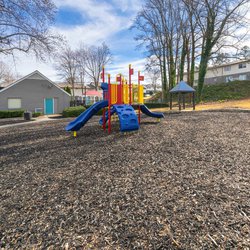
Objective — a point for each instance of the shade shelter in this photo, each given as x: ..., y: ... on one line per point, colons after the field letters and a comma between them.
x: 181, y: 89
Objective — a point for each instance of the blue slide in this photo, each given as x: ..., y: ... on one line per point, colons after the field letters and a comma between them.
x: 112, y: 111
x: 81, y: 120
x: 147, y: 112
x: 127, y: 117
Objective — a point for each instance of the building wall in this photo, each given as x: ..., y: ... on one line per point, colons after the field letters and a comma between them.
x: 224, y: 73
x: 32, y: 93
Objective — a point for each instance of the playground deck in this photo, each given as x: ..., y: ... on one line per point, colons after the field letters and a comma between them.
x: 179, y: 184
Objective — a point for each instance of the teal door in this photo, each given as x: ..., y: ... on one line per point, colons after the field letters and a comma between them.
x: 49, y: 106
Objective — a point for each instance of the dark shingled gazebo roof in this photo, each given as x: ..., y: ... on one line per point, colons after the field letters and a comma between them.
x: 182, y: 87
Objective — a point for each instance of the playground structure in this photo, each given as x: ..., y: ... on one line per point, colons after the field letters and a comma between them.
x: 118, y: 98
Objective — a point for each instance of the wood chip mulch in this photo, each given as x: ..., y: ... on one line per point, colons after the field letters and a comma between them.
x: 183, y: 183
x: 9, y: 121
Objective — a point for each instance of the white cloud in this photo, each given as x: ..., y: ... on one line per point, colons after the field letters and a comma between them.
x: 103, y: 22
x: 122, y: 68
x: 128, y: 5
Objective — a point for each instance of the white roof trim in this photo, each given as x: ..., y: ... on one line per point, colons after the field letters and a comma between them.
x: 27, y: 76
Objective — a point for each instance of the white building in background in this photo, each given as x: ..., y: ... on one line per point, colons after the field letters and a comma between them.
x: 238, y: 70
x: 84, y: 94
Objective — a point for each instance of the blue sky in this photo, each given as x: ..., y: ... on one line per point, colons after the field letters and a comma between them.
x: 93, y: 22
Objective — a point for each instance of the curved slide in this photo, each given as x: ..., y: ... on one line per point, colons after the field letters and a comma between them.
x: 147, y: 112
x: 82, y: 119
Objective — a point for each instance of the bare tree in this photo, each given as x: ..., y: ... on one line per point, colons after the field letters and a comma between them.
x: 24, y: 26
x: 153, y: 72
x: 244, y: 53
x: 81, y: 65
x: 94, y: 59
x: 6, y: 75
x: 151, y: 38
x: 160, y: 25
x: 67, y: 66
x: 218, y: 21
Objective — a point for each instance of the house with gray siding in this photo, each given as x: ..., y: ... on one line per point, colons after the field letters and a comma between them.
x: 35, y: 93
x: 237, y: 70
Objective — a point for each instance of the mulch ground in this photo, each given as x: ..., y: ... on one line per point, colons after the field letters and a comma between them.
x: 179, y: 184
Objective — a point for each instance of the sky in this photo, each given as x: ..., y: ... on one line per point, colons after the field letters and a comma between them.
x: 92, y: 22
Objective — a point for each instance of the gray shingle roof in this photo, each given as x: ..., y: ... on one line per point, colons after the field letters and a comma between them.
x: 182, y: 87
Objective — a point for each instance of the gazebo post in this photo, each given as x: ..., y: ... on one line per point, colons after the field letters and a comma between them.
x: 181, y: 89
x: 179, y: 100
x: 170, y: 101
x: 183, y: 100
x: 193, y: 100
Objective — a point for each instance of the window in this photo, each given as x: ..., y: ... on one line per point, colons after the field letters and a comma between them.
x: 14, y: 103
x: 242, y: 65
x: 39, y: 110
x: 227, y: 68
x: 242, y: 77
x: 229, y: 79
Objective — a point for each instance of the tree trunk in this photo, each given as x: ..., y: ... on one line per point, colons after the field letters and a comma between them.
x: 73, y: 88
x: 183, y: 56
x: 202, y: 73
x: 192, y: 57
x: 172, y: 73
x: 164, y: 82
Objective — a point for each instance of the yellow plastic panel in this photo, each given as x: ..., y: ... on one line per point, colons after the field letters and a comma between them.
x: 126, y: 94
x: 140, y: 94
x: 113, y: 93
x: 134, y: 93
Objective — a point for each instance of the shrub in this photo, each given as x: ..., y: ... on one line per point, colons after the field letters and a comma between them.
x: 67, y: 89
x: 73, y: 111
x: 36, y: 114
x: 99, y: 111
x: 11, y: 113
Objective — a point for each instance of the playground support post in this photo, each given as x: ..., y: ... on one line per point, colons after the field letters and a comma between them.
x: 171, y: 101
x: 139, y: 107
x: 131, y: 72
x: 104, y: 110
x: 109, y: 105
x: 193, y: 101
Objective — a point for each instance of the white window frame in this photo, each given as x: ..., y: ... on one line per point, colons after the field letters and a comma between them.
x: 227, y: 68
x: 242, y: 77
x: 14, y: 106
x: 229, y: 79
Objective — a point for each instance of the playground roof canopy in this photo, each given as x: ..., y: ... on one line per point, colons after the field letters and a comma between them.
x: 182, y: 87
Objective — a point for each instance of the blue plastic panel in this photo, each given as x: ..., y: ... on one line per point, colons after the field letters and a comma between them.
x: 127, y: 117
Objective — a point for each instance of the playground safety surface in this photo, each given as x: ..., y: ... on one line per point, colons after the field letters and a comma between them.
x: 179, y: 184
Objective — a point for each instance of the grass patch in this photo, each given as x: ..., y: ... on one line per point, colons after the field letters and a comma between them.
x: 226, y: 91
